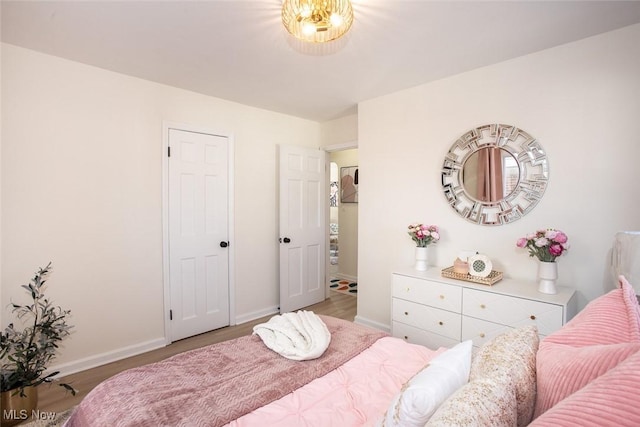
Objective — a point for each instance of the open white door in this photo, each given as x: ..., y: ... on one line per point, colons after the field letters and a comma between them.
x: 198, y: 232
x: 303, y: 202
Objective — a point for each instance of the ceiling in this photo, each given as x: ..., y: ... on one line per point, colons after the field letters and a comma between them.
x: 238, y: 50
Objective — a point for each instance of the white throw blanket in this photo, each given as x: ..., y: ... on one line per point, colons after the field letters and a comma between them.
x: 296, y: 336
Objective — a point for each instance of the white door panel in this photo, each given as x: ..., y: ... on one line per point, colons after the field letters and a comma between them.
x: 302, y: 227
x: 198, y: 223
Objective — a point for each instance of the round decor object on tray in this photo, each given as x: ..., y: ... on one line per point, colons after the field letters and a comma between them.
x: 480, y: 265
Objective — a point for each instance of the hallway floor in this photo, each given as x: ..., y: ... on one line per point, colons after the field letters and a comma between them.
x: 342, y: 286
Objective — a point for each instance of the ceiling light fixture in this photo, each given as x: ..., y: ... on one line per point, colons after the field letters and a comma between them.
x: 317, y: 21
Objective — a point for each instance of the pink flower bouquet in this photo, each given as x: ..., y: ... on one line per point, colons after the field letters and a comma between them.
x: 546, y: 245
x: 424, y: 235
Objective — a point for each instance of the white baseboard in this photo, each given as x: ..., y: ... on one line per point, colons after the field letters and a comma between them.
x: 248, y: 317
x: 372, y: 324
x: 108, y: 357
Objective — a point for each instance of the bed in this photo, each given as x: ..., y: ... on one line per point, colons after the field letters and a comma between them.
x: 585, y: 374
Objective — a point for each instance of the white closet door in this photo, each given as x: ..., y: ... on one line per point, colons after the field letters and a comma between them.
x: 198, y: 232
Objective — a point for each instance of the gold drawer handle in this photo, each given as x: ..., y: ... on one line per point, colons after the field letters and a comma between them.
x: 532, y: 317
x: 441, y: 296
x: 406, y: 313
x: 482, y: 306
x: 481, y: 334
x: 440, y: 323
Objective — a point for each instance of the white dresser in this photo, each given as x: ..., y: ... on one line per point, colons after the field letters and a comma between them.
x: 435, y: 311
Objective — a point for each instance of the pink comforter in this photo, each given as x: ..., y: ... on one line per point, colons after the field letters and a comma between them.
x: 355, y: 394
x: 213, y: 385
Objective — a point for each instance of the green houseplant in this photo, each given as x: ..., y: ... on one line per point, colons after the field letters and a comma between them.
x: 25, y: 354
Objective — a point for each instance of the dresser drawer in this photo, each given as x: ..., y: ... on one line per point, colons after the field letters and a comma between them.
x: 512, y: 311
x: 480, y: 331
x: 434, y: 294
x: 420, y: 336
x: 441, y: 322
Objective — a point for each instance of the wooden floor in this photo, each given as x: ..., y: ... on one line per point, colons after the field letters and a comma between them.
x: 53, y: 398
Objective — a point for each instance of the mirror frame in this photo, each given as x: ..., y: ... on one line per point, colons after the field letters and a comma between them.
x: 532, y: 164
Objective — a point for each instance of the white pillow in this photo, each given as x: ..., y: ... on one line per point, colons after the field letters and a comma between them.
x: 425, y: 392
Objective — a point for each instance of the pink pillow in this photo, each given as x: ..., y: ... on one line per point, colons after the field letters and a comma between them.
x: 612, y: 318
x: 563, y: 370
x: 610, y: 400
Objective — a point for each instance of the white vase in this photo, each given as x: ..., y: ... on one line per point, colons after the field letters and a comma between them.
x: 422, y: 259
x: 547, y: 276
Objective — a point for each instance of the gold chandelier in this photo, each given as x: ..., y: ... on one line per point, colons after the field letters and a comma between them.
x: 317, y: 21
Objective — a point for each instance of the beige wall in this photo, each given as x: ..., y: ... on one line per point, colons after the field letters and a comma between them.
x: 2, y: 303
x: 582, y: 102
x: 82, y: 187
x: 339, y: 131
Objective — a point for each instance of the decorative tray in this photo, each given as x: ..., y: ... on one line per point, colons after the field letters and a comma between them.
x: 492, y: 278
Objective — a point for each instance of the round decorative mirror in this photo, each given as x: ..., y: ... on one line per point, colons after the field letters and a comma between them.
x: 494, y: 174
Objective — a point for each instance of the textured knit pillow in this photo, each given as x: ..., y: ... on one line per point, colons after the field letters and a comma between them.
x: 562, y: 370
x: 612, y: 318
x: 610, y: 400
x: 514, y: 353
x: 489, y: 401
x: 423, y: 394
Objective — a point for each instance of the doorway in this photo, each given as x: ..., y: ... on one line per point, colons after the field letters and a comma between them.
x: 342, y: 259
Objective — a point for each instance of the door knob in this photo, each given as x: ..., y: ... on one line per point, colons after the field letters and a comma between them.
x: 287, y: 240
x: 224, y: 244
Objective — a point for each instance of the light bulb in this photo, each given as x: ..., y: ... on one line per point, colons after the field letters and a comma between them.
x: 336, y: 20
x: 308, y: 29
x: 305, y: 11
